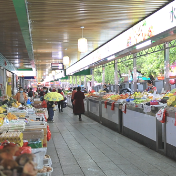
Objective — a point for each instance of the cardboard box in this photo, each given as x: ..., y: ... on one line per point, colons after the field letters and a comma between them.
x: 45, y: 141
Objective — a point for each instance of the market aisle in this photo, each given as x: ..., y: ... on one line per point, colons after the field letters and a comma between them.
x: 88, y: 148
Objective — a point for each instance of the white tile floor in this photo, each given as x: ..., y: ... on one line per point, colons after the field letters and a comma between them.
x: 90, y: 149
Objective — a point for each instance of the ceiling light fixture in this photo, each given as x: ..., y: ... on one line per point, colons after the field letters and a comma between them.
x: 82, y: 43
x: 66, y: 59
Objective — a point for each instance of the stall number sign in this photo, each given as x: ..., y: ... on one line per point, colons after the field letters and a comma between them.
x: 57, y: 66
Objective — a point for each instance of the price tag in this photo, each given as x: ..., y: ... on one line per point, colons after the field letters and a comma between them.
x: 147, y: 108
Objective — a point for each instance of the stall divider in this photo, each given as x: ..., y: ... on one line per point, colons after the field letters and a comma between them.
x: 161, y: 137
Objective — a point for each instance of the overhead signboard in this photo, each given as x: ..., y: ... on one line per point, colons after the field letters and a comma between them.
x: 155, y: 24
x: 26, y: 73
x: 57, y: 66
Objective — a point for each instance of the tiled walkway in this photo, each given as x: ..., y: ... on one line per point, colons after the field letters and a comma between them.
x: 88, y: 148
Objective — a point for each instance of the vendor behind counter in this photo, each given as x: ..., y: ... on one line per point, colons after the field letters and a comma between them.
x: 105, y: 89
x: 151, y: 88
x: 21, y: 96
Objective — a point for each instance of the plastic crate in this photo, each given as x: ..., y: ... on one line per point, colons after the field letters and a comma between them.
x: 47, y: 162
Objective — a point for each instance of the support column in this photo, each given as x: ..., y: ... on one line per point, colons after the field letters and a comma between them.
x: 72, y: 82
x: 103, y: 75
x: 116, y: 77
x: 166, y: 67
x: 76, y: 81
x: 85, y: 84
x: 80, y: 81
x: 134, y: 74
x: 92, y: 85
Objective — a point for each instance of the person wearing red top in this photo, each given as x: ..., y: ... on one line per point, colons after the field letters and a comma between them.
x: 60, y: 103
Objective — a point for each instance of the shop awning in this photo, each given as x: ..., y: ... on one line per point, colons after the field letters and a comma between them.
x: 66, y: 77
x: 83, y: 72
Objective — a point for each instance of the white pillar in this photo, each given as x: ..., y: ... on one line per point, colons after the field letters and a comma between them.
x: 80, y: 80
x: 103, y: 74
x: 76, y: 81
x: 166, y: 67
x: 134, y: 74
x: 72, y: 82
x: 92, y: 84
x: 116, y: 80
x: 85, y: 84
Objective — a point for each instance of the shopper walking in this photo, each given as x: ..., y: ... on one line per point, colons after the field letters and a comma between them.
x: 30, y: 93
x: 21, y: 96
x: 60, y: 103
x: 72, y: 97
x: 42, y: 93
x: 78, y: 103
x: 50, y: 106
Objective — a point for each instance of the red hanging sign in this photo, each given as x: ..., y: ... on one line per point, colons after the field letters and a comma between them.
x: 105, y: 104
x: 113, y: 106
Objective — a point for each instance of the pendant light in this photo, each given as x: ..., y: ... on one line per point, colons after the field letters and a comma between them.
x: 82, y: 43
x: 66, y: 59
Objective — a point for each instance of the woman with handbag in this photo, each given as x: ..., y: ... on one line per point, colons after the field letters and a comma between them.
x: 78, y: 103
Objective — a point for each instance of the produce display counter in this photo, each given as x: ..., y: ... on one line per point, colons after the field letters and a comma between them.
x: 140, y: 126
x: 137, y: 123
x: 69, y: 103
x: 170, y: 134
x: 94, y: 109
x: 111, y: 118
x: 86, y: 106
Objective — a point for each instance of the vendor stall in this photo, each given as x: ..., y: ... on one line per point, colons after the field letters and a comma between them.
x: 94, y: 109
x: 25, y: 130
x: 111, y: 116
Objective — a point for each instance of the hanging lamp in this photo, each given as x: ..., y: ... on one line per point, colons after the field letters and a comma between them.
x: 66, y: 59
x: 82, y: 43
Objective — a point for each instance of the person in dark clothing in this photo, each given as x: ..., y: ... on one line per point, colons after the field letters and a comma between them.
x: 60, y: 103
x: 78, y: 103
x: 42, y: 93
x: 85, y: 90
x: 30, y: 93
x: 72, y: 97
x: 105, y: 89
x: 50, y: 106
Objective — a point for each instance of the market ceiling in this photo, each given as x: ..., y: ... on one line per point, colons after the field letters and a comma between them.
x: 55, y: 26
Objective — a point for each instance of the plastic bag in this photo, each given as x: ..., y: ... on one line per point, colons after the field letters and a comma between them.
x: 48, y: 133
x: 113, y: 106
x: 105, y: 104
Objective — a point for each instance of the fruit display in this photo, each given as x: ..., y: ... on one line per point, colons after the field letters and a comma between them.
x: 2, y: 110
x: 16, y: 137
x: 171, y: 101
x: 16, y: 105
x: 11, y: 116
x: 107, y: 96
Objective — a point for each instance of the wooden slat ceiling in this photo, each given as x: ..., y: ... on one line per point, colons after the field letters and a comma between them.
x: 56, y: 25
x: 12, y: 44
